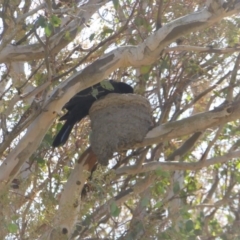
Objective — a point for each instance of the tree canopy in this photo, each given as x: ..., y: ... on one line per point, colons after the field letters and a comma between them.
x: 182, y: 181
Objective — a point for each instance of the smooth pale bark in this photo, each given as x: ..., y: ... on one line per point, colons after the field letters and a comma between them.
x: 196, y: 123
x: 58, y: 41
x: 70, y: 201
x: 174, y: 165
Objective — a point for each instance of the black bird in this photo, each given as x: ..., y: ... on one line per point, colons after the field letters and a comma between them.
x: 79, y: 105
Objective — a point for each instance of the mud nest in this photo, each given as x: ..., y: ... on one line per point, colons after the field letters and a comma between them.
x: 118, y: 122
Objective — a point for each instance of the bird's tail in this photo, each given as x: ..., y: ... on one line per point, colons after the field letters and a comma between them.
x: 63, y: 134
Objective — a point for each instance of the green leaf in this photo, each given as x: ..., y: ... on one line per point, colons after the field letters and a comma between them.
x: 165, y: 64
x: 94, y: 92
x: 158, y: 204
x: 139, y: 21
x: 161, y: 173
x: 238, y: 165
x: 184, y: 212
x: 176, y: 187
x: 48, y: 139
x: 39, y: 78
x: 41, y: 162
x: 67, y: 170
x: 12, y: 228
x: 55, y: 21
x: 48, y: 30
x: 67, y: 36
x: 106, y: 30
x: 189, y: 226
x: 107, y: 85
x: 42, y: 21
x: 114, y: 209
x: 159, y: 188
x: 56, y: 176
x: 92, y: 36
x: 145, y: 69
x: 116, y: 4
x: 59, y: 126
